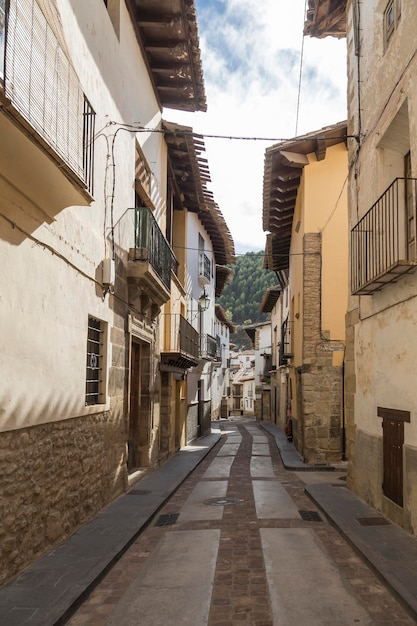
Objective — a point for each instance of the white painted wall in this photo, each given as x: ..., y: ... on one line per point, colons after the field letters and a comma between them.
x: 203, y: 322
x: 264, y: 346
x: 46, y: 298
x: 385, y: 337
x: 221, y: 374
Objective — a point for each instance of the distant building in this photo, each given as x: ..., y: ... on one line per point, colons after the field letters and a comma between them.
x: 220, y: 385
x: 260, y: 336
x: 242, y: 383
x: 275, y: 301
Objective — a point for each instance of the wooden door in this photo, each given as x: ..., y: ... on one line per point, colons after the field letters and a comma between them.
x: 133, y: 441
x: 393, y: 440
x: 200, y: 398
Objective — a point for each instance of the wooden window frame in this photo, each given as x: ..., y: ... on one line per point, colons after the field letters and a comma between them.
x: 392, y: 15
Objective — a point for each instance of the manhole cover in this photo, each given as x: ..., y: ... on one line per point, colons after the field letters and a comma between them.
x: 373, y: 521
x: 310, y: 516
x: 167, y: 520
x: 222, y: 501
x: 140, y: 492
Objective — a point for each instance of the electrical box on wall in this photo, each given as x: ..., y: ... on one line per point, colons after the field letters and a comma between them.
x: 108, y: 272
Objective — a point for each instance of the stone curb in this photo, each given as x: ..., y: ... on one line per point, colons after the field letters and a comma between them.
x: 388, y: 549
x: 289, y: 455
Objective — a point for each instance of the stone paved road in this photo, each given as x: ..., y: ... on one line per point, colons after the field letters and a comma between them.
x: 230, y: 547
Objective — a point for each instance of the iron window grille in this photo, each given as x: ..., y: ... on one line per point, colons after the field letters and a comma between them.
x: 94, y: 366
x: 204, y: 269
x: 208, y: 348
x: 285, y: 348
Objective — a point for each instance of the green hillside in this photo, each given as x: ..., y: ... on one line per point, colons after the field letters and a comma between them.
x: 242, y: 297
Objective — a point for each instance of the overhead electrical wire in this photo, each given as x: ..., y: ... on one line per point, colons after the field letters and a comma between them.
x: 300, y: 76
x: 191, y: 133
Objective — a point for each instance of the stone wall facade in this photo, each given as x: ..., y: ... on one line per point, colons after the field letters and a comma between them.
x: 352, y: 318
x: 206, y: 421
x: 318, y: 382
x: 192, y: 422
x: 56, y: 476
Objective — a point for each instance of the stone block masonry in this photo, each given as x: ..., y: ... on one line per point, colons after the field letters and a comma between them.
x: 320, y: 382
x: 56, y: 477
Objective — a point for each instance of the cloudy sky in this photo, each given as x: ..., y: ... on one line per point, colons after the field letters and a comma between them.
x: 251, y: 54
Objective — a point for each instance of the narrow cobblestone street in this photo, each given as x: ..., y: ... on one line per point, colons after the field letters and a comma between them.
x: 241, y: 543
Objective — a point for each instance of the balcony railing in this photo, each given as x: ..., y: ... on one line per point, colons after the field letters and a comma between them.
x: 208, y: 348
x: 383, y: 242
x: 204, y: 268
x: 285, y: 352
x: 151, y: 245
x: 218, y: 349
x: 182, y: 343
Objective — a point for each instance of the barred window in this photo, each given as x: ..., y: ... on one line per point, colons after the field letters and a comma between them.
x: 94, y: 393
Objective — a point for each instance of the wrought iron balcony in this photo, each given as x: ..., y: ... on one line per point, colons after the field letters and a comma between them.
x: 181, y: 344
x: 208, y: 347
x: 204, y: 269
x: 219, y: 350
x: 285, y: 352
x: 383, y: 242
x: 151, y: 259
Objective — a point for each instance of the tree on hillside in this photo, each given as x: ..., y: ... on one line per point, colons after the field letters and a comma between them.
x: 242, y: 297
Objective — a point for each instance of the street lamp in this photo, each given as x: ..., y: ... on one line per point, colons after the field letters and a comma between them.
x: 204, y: 301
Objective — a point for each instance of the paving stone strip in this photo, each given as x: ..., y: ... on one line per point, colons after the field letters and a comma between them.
x: 240, y: 593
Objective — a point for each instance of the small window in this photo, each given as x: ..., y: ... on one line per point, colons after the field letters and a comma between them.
x: 392, y: 16
x: 94, y: 369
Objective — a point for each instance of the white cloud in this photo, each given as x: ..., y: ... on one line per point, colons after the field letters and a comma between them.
x: 251, y: 59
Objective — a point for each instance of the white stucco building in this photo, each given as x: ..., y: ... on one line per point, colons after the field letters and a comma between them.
x: 92, y: 194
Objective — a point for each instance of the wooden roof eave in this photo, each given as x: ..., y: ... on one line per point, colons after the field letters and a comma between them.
x: 222, y: 317
x: 183, y: 148
x: 167, y: 34
x: 326, y: 18
x: 270, y: 298
x: 285, y: 161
